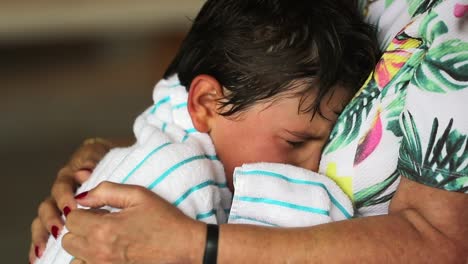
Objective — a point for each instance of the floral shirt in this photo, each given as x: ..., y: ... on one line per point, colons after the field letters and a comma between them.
x: 409, y: 117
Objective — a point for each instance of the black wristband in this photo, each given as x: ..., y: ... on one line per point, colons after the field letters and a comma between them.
x: 211, y: 245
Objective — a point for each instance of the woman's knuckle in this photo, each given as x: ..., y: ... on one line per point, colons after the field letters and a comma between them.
x: 102, y: 256
x: 42, y: 207
x: 102, y: 232
x: 35, y: 223
x: 56, y: 189
x: 63, y: 172
x: 139, y: 192
x: 104, y: 185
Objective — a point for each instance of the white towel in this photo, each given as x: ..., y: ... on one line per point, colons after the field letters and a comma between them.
x: 178, y: 163
x: 275, y: 194
x: 170, y: 158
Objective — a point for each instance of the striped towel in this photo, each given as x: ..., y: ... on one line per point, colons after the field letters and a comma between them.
x: 180, y: 164
x: 170, y: 158
x: 275, y: 194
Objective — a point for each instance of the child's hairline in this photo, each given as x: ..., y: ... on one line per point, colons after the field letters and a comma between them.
x: 290, y: 90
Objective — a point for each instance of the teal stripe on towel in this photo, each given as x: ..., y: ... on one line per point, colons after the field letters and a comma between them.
x: 341, y: 207
x: 176, y: 166
x: 190, y: 130
x: 298, y: 181
x: 282, y: 203
x: 143, y: 161
x: 192, y: 190
x: 187, y: 133
x: 159, y: 103
x: 206, y: 215
x: 221, y: 184
x: 178, y: 106
x: 281, y: 176
x: 173, y: 85
x: 196, y: 188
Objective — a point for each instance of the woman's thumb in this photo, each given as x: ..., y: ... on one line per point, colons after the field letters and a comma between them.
x: 114, y: 195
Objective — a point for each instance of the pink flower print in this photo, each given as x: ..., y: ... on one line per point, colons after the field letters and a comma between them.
x: 369, y: 142
x: 460, y: 10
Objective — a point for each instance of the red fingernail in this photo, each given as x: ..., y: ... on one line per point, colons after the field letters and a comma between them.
x: 81, y: 195
x: 36, y: 251
x: 54, y: 230
x: 66, y: 210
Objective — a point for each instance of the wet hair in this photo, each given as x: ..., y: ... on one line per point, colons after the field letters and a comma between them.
x: 257, y: 49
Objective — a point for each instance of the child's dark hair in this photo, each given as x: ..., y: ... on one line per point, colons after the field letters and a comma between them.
x: 259, y: 48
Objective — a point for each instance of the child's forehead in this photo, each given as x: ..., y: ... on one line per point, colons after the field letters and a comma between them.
x: 329, y: 105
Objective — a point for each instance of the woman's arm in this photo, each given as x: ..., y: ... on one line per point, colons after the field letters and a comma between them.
x: 424, y: 225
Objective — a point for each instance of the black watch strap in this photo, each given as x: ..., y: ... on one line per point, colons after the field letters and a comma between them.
x: 211, y: 245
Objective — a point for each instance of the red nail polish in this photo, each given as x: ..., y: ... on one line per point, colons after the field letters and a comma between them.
x: 54, y: 231
x: 66, y: 210
x: 36, y: 251
x: 81, y: 195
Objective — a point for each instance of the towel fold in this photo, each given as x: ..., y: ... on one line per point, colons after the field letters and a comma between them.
x: 275, y: 194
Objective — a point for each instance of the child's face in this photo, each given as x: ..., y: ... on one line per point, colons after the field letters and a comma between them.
x: 277, y: 132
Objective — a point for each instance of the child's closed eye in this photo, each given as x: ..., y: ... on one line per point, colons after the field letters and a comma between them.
x: 295, y: 144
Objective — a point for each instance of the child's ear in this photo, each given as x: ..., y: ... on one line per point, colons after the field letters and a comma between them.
x: 204, y: 94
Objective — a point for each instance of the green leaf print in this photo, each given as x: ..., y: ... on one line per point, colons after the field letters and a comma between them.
x: 349, y: 123
x: 388, y: 3
x: 393, y: 111
x: 372, y: 195
x: 417, y: 7
x: 445, y: 162
x: 444, y: 68
x: 432, y: 27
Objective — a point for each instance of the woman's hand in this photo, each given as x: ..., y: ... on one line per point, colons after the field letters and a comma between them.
x: 73, y: 174
x: 146, y: 230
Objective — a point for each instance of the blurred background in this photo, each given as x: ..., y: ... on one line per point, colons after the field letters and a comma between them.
x: 70, y: 70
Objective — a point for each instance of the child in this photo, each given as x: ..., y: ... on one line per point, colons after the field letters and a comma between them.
x: 254, y: 81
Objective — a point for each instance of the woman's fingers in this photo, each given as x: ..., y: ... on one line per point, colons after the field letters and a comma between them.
x: 114, y: 195
x: 39, y: 236
x: 85, y: 221
x: 87, y: 156
x: 78, y: 170
x: 145, y: 224
x: 75, y: 245
x: 83, y: 175
x: 47, y: 222
x: 63, y: 190
x: 32, y: 255
x: 50, y: 217
x: 89, y: 231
